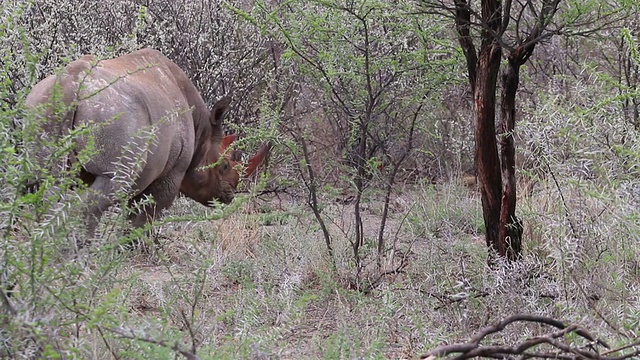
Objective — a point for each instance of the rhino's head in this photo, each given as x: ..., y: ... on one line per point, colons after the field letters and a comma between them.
x: 231, y: 166
x: 207, y: 183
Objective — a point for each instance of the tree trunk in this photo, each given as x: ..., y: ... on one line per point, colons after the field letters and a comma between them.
x: 510, y: 237
x: 487, y: 160
x: 486, y: 156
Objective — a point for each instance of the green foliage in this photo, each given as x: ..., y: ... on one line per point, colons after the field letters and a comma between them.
x: 632, y: 44
x: 59, y: 302
x: 239, y: 272
x: 366, y: 71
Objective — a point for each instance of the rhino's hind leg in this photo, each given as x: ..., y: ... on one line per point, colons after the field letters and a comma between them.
x: 98, y: 199
x: 164, y: 191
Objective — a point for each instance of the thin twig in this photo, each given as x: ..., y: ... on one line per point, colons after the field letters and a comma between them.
x: 564, y: 202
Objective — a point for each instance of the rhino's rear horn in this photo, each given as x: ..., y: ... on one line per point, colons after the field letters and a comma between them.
x: 257, y: 159
x: 226, y: 141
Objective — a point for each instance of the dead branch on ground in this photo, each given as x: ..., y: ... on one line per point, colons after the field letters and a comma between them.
x: 558, y: 346
x: 131, y: 335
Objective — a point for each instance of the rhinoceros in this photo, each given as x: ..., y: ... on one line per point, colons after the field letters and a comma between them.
x: 147, y: 118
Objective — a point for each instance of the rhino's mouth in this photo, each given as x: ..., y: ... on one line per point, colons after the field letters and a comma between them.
x: 227, y: 192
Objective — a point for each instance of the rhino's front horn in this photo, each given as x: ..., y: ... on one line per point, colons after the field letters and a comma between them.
x: 257, y: 159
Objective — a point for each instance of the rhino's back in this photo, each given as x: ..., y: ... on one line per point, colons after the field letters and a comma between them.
x: 142, y: 119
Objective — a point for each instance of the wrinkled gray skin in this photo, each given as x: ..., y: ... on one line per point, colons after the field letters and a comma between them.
x: 126, y: 99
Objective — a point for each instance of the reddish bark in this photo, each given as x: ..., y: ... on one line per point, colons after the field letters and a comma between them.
x: 486, y: 156
x: 510, y: 236
x: 510, y: 244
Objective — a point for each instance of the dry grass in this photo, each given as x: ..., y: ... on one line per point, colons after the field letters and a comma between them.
x: 267, y: 290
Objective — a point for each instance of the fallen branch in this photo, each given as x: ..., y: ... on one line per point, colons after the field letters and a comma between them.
x: 473, y: 348
x: 130, y: 334
x: 447, y: 299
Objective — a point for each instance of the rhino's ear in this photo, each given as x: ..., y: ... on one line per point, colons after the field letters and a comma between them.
x: 219, y: 110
